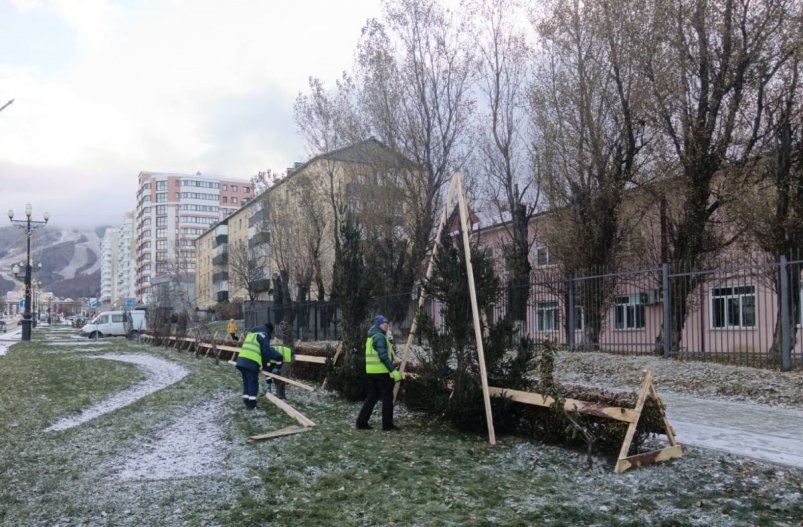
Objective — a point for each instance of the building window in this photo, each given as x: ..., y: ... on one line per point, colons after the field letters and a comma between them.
x: 161, y: 233
x: 161, y: 185
x: 540, y: 255
x: 224, y: 199
x: 628, y: 312
x: 546, y: 316
x: 161, y: 197
x: 733, y: 307
x: 234, y: 188
x: 234, y: 199
x: 247, y: 189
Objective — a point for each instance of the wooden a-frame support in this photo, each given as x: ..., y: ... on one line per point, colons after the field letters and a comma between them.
x: 674, y: 450
x: 456, y: 188
x: 626, y: 415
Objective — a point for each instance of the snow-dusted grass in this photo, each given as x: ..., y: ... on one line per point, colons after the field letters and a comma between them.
x: 178, y: 457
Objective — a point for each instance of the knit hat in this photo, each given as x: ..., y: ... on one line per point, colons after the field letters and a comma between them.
x: 379, y: 320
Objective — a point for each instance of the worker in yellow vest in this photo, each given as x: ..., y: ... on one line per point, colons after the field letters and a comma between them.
x: 280, y: 367
x: 380, y: 374
x: 255, y: 355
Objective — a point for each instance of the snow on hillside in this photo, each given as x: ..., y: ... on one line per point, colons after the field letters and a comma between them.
x: 65, y: 253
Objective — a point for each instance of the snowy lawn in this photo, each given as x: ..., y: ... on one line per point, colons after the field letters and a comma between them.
x: 178, y: 456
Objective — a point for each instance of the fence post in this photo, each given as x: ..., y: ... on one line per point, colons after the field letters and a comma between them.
x: 317, y: 306
x: 667, y: 310
x: 570, y: 316
x: 786, y: 330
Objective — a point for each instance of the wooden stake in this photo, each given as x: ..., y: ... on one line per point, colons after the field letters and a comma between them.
x: 334, y: 361
x: 288, y: 381
x: 277, y: 433
x: 289, y: 410
x: 466, y: 223
x: 422, y: 297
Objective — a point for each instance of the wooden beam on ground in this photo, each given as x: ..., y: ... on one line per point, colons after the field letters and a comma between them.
x: 277, y: 433
x: 649, y: 458
x: 626, y: 415
x: 288, y: 381
x: 289, y: 410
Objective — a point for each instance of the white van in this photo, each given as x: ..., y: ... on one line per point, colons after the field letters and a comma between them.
x: 115, y: 323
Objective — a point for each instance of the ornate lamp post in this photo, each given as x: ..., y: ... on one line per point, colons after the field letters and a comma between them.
x: 28, y: 225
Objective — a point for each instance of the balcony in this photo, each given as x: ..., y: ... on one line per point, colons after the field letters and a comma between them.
x: 257, y: 218
x: 263, y: 284
x: 221, y: 239
x: 220, y: 259
x: 259, y: 239
x: 222, y: 296
x: 220, y: 277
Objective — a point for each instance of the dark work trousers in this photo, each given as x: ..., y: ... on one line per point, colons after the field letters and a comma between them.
x: 380, y: 387
x: 281, y: 386
x: 250, y: 386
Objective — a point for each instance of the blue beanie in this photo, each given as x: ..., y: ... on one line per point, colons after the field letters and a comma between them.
x: 379, y: 320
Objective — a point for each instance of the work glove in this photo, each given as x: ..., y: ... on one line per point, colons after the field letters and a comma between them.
x: 396, y: 375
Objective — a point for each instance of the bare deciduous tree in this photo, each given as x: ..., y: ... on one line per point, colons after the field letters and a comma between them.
x: 589, y: 108
x: 505, y: 137
x: 708, y: 63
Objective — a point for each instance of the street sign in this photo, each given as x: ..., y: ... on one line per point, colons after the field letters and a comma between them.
x: 22, y: 303
x: 129, y: 303
x: 93, y: 303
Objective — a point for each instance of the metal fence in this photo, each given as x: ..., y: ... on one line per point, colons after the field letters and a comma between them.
x: 741, y: 312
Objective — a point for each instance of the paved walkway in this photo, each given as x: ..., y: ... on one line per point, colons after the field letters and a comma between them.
x: 762, y: 432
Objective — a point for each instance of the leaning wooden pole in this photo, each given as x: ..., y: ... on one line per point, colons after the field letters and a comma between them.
x: 466, y: 225
x: 422, y: 297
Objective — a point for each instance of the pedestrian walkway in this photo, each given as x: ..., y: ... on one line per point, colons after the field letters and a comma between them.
x: 762, y: 432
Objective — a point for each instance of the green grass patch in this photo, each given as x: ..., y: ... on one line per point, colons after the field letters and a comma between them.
x: 425, y: 474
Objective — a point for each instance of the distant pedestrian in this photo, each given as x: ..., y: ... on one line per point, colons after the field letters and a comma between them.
x: 380, y: 375
x: 255, y: 355
x: 231, y: 329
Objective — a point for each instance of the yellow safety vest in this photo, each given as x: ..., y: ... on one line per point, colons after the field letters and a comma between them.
x: 287, y: 354
x: 372, y: 362
x: 251, y: 349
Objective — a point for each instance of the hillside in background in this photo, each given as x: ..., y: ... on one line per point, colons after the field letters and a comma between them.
x: 70, y: 258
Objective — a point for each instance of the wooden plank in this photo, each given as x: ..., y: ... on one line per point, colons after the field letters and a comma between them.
x: 310, y: 358
x: 466, y: 222
x: 289, y: 410
x: 422, y: 296
x: 289, y: 381
x: 334, y: 361
x: 277, y: 433
x: 649, y: 458
x: 631, y: 429
x: 626, y: 415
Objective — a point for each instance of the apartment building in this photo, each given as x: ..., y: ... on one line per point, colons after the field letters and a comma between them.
x: 125, y: 260
x: 272, y: 233
x: 172, y: 211
x: 109, y: 266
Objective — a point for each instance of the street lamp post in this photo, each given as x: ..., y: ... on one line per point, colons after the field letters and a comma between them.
x: 28, y: 225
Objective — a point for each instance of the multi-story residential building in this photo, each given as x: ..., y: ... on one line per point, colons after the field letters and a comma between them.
x: 109, y: 266
x: 173, y: 210
x: 276, y: 230
x: 125, y: 260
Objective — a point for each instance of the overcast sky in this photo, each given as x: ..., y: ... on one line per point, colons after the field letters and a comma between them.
x: 106, y: 88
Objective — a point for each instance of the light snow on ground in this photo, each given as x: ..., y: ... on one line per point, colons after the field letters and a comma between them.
x: 176, y: 452
x: 161, y: 374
